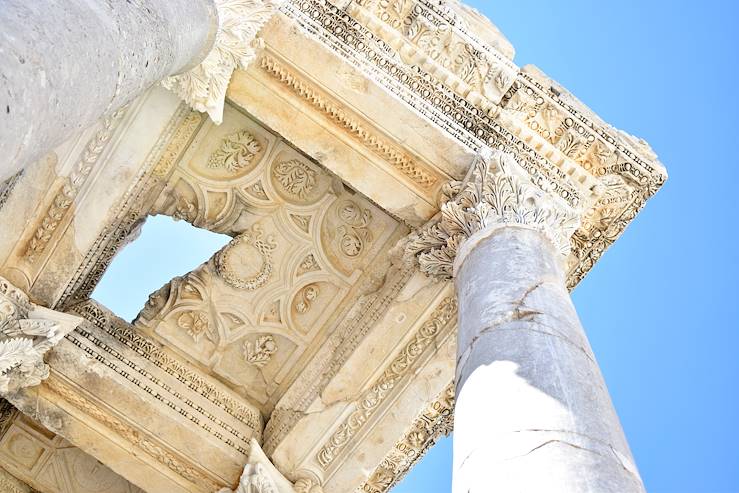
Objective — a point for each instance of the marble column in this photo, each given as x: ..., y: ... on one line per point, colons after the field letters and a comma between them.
x: 532, y: 412
x: 63, y: 64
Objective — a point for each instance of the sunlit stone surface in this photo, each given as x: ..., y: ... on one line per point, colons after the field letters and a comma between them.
x: 360, y: 155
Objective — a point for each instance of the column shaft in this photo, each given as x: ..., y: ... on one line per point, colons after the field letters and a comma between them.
x: 63, y: 64
x: 533, y: 413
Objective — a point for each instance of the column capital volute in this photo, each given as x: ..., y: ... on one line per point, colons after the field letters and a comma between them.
x: 496, y: 193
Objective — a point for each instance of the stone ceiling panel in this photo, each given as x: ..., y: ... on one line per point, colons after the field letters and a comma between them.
x: 302, y: 245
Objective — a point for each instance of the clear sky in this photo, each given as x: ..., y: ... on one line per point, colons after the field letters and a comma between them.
x: 661, y: 306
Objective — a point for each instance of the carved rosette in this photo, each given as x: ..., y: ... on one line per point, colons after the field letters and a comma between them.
x: 27, y: 332
x: 239, y: 21
x: 497, y: 193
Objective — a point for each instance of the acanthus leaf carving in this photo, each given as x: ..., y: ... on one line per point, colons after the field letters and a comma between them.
x: 296, y: 178
x: 27, y: 332
x: 260, y: 475
x: 236, y: 152
x: 496, y: 194
x: 354, y: 233
x: 239, y: 21
x: 259, y: 352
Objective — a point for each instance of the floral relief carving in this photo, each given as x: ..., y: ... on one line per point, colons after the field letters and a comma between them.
x: 308, y: 264
x: 435, y: 421
x: 371, y: 399
x: 306, y: 297
x: 296, y: 177
x: 495, y: 195
x: 236, y: 152
x: 301, y: 221
x: 257, y: 190
x: 27, y: 332
x: 196, y: 324
x: 246, y: 262
x: 354, y: 233
x: 259, y: 352
x: 185, y: 210
x: 204, y: 87
x: 65, y: 197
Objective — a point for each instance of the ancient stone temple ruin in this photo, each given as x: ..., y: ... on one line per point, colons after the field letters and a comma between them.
x: 408, y: 211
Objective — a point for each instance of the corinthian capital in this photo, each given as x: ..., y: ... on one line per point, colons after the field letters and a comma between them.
x: 239, y: 21
x: 260, y: 475
x: 496, y: 193
x: 27, y: 332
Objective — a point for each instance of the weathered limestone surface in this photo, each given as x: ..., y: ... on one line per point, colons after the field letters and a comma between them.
x: 35, y: 459
x: 532, y: 412
x: 347, y: 125
x: 64, y: 64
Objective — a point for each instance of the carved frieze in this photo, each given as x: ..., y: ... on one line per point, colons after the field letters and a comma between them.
x: 372, y: 399
x: 436, y: 420
x: 566, y: 149
x: 64, y: 198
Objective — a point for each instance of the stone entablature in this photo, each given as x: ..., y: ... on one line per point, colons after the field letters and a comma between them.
x: 35, y: 459
x: 347, y: 126
x: 605, y: 173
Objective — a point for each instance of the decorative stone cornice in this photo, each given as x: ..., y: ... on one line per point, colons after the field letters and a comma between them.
x: 27, y: 332
x: 239, y: 21
x: 496, y: 193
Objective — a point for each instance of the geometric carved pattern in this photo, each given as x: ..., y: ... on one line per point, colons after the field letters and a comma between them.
x: 302, y: 241
x: 52, y: 464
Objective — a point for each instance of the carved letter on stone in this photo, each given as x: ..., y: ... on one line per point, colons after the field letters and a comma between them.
x: 27, y: 332
x: 497, y: 193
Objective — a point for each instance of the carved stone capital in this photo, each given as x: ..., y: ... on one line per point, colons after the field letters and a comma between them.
x: 27, y: 332
x: 496, y: 193
x: 260, y: 475
x: 239, y: 21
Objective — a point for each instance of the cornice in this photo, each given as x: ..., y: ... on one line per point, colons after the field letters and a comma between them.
x: 545, y: 134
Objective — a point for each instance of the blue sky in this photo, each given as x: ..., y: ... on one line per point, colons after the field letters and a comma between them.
x: 661, y: 306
